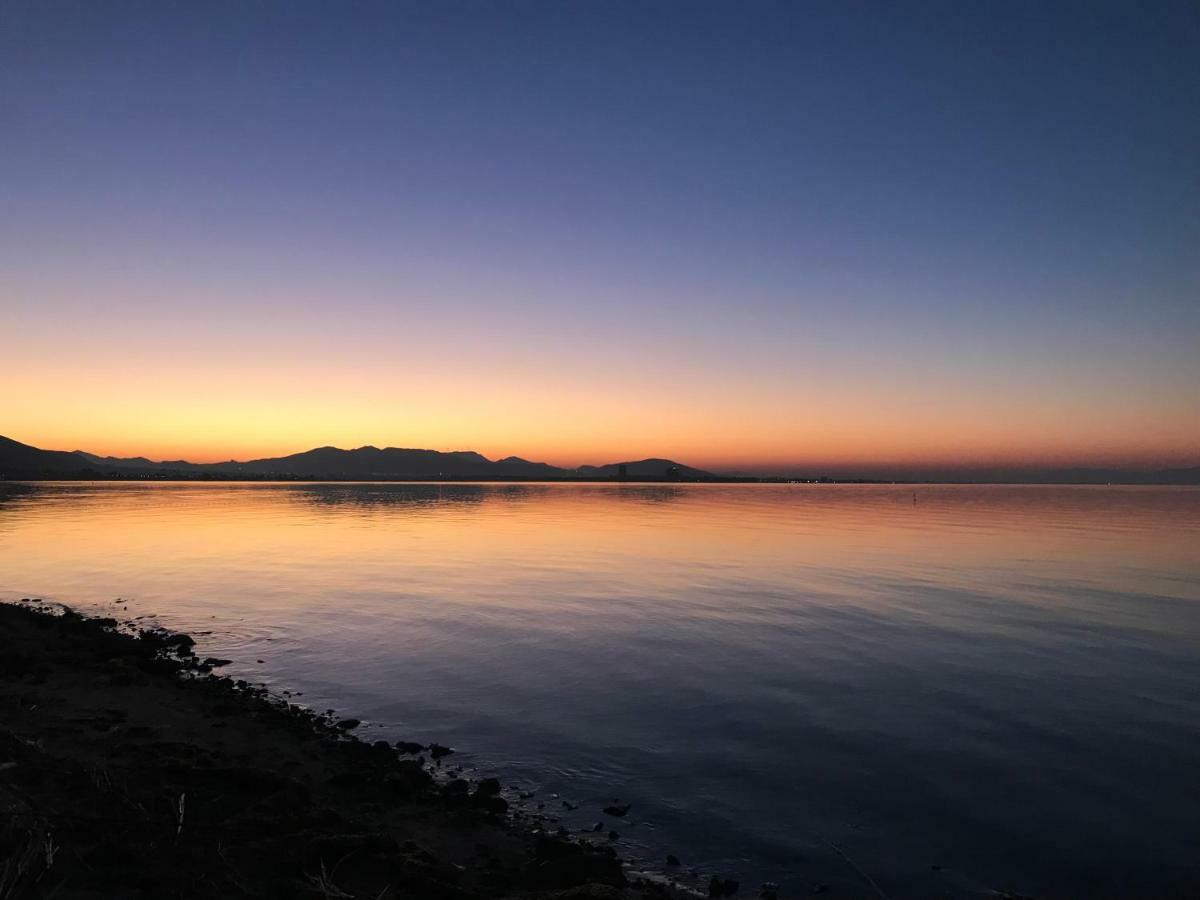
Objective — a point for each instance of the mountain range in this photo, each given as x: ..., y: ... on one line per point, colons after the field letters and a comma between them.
x: 19, y: 460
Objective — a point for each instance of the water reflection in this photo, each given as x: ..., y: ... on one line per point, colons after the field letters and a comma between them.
x: 1000, y: 681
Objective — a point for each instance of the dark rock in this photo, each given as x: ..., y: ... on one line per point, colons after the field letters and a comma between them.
x: 489, y: 787
x: 618, y: 810
x: 722, y: 887
x: 437, y: 751
x: 487, y: 797
x: 457, y: 786
x: 347, y: 724
x: 562, y: 863
x: 570, y: 806
x: 612, y: 835
x: 409, y: 747
x: 497, y: 806
x: 181, y: 642
x: 673, y: 860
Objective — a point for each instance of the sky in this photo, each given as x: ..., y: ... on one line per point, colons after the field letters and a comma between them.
x: 748, y: 236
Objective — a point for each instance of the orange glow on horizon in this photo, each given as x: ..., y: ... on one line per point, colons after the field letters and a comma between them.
x: 206, y: 401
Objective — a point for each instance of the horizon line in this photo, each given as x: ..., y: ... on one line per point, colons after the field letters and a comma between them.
x: 760, y: 468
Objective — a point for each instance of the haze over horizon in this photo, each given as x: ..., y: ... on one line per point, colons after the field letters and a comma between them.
x: 765, y: 238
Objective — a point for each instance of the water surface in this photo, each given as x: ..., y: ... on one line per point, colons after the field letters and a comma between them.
x: 990, y: 688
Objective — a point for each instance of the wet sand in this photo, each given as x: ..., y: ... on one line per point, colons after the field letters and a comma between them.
x: 130, y: 768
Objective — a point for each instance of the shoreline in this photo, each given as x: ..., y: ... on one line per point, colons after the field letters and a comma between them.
x: 129, y: 767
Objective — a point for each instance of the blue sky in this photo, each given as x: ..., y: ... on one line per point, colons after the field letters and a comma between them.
x: 982, y: 212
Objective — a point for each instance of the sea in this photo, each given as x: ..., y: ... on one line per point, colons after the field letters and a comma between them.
x: 853, y: 690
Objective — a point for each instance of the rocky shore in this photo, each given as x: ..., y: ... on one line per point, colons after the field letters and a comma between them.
x: 130, y: 769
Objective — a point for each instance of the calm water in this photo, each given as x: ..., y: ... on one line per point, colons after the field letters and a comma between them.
x: 1003, y: 682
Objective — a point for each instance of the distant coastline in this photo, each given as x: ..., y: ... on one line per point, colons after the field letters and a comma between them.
x: 24, y: 462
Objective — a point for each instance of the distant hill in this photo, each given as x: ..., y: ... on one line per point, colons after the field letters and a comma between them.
x: 19, y: 460
x: 31, y: 462
x: 644, y: 468
x: 367, y: 463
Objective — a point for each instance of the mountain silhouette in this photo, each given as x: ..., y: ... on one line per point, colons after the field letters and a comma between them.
x: 644, y: 468
x: 19, y: 460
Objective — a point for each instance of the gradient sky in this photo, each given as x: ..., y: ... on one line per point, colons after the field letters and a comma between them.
x: 741, y: 235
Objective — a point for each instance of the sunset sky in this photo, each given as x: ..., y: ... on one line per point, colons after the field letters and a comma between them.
x: 742, y: 235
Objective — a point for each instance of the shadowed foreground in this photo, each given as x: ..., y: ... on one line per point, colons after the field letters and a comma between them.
x: 128, y: 770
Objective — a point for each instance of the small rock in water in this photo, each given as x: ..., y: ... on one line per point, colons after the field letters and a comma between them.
x: 617, y: 810
x: 599, y: 826
x: 409, y: 747
x: 437, y: 751
x: 568, y: 805
x: 673, y: 860
x: 612, y: 835
x: 347, y: 724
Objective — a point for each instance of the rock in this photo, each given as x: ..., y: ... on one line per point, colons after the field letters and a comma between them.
x: 612, y: 835
x: 722, y: 887
x: 561, y: 863
x: 489, y: 787
x: 617, y: 810
x: 182, y: 642
x: 437, y: 751
x: 347, y: 724
x: 495, y: 805
x: 409, y: 747
x: 570, y: 806
x: 456, y: 790
x: 673, y: 860
x: 599, y: 826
